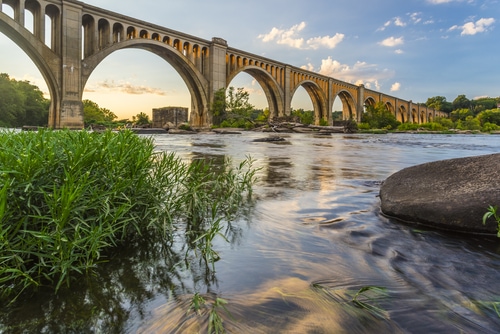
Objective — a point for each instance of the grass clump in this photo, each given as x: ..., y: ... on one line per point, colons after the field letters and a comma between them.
x: 68, y: 197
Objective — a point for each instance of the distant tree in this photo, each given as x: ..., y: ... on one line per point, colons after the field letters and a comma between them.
x: 218, y: 107
x: 21, y: 103
x: 237, y: 104
x: 93, y: 114
x: 10, y: 102
x: 305, y: 116
x: 439, y: 103
x: 378, y: 117
x: 461, y: 102
x: 141, y: 119
x: 484, y: 103
x: 460, y: 114
x: 232, y: 108
x: 489, y: 116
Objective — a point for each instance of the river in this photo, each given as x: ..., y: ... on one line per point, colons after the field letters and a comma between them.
x: 313, y: 238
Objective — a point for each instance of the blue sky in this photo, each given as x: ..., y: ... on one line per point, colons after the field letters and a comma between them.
x: 413, y: 49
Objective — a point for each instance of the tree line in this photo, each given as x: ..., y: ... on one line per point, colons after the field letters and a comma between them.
x: 482, y: 114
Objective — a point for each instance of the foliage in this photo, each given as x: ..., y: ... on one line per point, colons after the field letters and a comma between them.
x: 21, y: 103
x: 461, y: 102
x: 489, y: 116
x: 306, y: 117
x: 232, y: 108
x: 378, y: 117
x: 95, y: 115
x: 439, y: 103
x: 492, y: 212
x: 141, y: 119
x: 68, y: 198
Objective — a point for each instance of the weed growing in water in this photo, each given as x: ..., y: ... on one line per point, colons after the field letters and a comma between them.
x: 492, y: 212
x: 68, y: 197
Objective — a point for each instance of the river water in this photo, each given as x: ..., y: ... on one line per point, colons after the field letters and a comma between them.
x: 313, y: 238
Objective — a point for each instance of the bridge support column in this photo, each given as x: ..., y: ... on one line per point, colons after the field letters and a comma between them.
x: 70, y: 105
x: 216, y: 79
x: 287, y: 95
x: 360, y: 103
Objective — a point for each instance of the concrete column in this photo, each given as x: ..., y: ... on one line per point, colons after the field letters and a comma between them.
x: 19, y: 13
x: 41, y: 24
x: 71, y: 108
x: 287, y: 98
x: 360, y: 103
x: 217, y: 76
x: 330, y: 100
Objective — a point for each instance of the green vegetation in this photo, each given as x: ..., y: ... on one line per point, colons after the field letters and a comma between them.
x: 232, y: 109
x: 95, y: 115
x: 21, y: 103
x: 492, y: 212
x: 378, y: 117
x: 69, y: 198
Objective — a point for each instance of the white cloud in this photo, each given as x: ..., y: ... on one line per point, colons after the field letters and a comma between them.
x: 392, y: 41
x: 395, y: 87
x: 472, y: 28
x: 292, y: 38
x: 359, y: 73
x: 438, y: 2
x: 398, y: 22
x: 326, y: 41
x: 399, y: 51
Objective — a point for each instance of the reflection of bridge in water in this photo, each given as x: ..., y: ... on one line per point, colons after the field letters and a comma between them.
x: 82, y: 36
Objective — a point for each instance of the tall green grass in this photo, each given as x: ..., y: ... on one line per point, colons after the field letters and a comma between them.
x: 69, y: 197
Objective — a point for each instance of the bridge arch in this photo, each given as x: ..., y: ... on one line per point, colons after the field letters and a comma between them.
x: 47, y: 63
x: 401, y: 114
x: 271, y: 88
x: 194, y: 80
x: 317, y: 96
x: 348, y: 105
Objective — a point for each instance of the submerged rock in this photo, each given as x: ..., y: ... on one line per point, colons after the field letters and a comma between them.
x: 269, y: 139
x: 449, y: 194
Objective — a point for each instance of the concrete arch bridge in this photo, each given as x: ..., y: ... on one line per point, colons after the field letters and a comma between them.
x: 81, y: 36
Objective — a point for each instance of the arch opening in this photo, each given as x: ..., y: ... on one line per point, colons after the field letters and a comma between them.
x: 125, y: 91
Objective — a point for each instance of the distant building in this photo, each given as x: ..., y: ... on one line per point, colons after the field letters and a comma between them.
x: 163, y: 117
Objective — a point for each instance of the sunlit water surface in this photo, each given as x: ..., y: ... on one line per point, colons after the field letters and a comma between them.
x: 312, y: 239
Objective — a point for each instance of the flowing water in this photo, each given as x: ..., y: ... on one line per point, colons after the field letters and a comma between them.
x: 313, y: 237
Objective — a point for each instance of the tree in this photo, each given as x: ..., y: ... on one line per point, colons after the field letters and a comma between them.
x: 484, y: 103
x: 93, y: 114
x: 21, y: 103
x: 306, y: 117
x: 231, y: 108
x: 141, y: 119
x: 378, y: 117
x: 10, y: 102
x: 439, y: 103
x: 461, y: 102
x: 489, y: 116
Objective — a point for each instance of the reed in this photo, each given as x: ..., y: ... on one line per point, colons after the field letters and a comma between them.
x: 68, y: 197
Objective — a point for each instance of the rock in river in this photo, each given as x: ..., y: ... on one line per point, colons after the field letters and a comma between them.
x: 449, y: 194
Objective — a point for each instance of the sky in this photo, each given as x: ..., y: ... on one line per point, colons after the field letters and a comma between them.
x: 412, y: 49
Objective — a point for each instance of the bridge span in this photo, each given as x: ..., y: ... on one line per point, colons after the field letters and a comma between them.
x: 82, y: 36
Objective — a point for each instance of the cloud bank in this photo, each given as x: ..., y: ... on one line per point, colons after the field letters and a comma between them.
x: 360, y: 73
x: 291, y: 37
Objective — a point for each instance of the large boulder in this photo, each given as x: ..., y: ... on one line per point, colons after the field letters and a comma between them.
x: 449, y: 194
